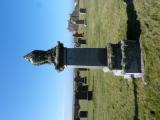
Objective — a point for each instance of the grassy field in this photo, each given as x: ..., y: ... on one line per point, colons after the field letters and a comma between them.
x: 113, y: 97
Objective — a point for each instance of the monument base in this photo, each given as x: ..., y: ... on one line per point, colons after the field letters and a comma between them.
x: 124, y: 59
x: 121, y: 73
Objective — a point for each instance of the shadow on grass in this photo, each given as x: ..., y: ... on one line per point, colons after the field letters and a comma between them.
x: 133, y: 25
x: 133, y: 33
x: 136, y: 113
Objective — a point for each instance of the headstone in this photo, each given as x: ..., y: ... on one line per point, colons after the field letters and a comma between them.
x: 82, y: 10
x: 81, y: 95
x: 84, y: 95
x: 78, y: 34
x: 77, y: 118
x: 80, y: 22
x: 83, y: 80
x: 82, y: 88
x: 83, y: 114
x: 81, y: 41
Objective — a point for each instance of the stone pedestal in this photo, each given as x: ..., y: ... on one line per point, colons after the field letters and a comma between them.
x: 86, y: 57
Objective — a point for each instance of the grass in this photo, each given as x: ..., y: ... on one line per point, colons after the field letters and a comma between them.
x: 149, y: 16
x: 113, y: 97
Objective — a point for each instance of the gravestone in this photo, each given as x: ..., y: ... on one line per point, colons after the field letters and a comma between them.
x: 78, y: 34
x: 83, y: 114
x: 82, y: 10
x: 123, y: 58
x: 82, y: 88
x: 80, y: 22
x: 83, y: 95
x: 83, y: 80
x: 81, y: 41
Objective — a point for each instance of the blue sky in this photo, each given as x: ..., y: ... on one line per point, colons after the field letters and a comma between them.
x: 28, y: 92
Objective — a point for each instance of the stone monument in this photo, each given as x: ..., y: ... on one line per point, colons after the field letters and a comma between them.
x: 78, y: 34
x: 83, y: 114
x: 82, y: 10
x: 123, y: 58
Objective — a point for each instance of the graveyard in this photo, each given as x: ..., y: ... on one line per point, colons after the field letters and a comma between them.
x: 115, y: 59
x: 115, y: 98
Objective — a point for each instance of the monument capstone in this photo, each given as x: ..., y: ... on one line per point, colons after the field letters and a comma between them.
x: 123, y: 58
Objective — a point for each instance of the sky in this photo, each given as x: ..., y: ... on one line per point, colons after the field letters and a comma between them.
x: 29, y: 92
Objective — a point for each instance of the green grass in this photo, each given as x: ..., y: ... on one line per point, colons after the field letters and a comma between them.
x: 149, y: 16
x: 114, y: 97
